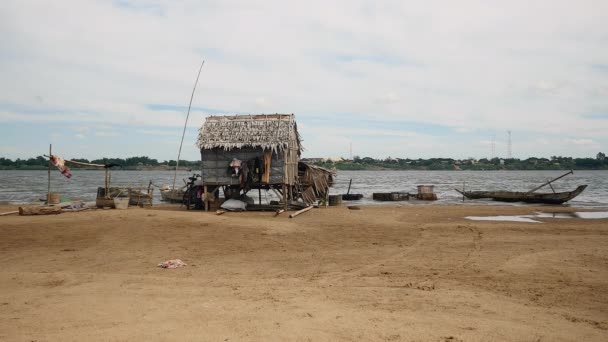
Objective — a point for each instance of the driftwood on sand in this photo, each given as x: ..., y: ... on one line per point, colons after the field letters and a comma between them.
x: 39, y: 210
x: 300, y: 212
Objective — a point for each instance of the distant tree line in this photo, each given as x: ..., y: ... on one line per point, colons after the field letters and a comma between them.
x: 130, y: 163
x: 600, y: 162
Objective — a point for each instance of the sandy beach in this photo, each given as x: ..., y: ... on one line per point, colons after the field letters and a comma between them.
x: 410, y: 273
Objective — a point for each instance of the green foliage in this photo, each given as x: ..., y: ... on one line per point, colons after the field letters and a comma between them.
x: 131, y: 163
x: 554, y: 163
x: 600, y: 162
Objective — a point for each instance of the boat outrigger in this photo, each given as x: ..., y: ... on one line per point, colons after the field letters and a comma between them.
x: 529, y: 196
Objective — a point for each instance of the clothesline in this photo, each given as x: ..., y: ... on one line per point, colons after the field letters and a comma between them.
x: 80, y: 163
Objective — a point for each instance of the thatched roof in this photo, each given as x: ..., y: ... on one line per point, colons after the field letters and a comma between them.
x: 315, y: 181
x: 273, y: 131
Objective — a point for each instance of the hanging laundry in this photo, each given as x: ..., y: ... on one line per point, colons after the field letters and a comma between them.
x: 235, y: 167
x: 244, y: 174
x: 59, y: 163
x: 258, y: 166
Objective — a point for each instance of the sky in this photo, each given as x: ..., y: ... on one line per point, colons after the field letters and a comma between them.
x: 401, y: 79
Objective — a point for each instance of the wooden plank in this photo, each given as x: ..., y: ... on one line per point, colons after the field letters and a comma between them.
x: 300, y: 212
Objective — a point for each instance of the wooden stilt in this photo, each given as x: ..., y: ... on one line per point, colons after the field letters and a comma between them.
x: 205, y: 198
x: 284, y: 196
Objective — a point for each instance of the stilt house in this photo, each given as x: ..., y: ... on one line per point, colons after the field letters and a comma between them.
x: 244, y: 152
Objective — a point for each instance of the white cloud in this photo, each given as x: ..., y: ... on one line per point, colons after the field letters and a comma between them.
x: 542, y: 141
x: 387, y: 98
x: 464, y: 129
x: 106, y: 134
x: 156, y: 132
x: 81, y: 128
x: 80, y: 136
x: 588, y: 144
x: 581, y: 141
x: 473, y: 66
x: 262, y: 103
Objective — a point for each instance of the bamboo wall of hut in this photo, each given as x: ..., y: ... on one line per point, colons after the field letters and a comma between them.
x: 245, y: 138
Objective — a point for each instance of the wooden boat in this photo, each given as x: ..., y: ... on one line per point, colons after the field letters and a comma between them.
x: 528, y: 197
x: 352, y: 197
x: 137, y: 196
x: 172, y: 195
x: 391, y: 196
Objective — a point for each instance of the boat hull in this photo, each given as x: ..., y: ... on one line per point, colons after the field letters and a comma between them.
x: 527, y: 197
x: 352, y: 197
x: 172, y: 196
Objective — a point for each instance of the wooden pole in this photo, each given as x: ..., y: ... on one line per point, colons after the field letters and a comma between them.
x: 48, y: 193
x: 551, y: 181
x: 284, y: 197
x: 186, y: 123
x: 205, y: 198
x: 106, y: 195
x: 84, y: 164
x: 278, y: 212
x: 300, y: 212
x: 463, y: 191
x: 349, y: 183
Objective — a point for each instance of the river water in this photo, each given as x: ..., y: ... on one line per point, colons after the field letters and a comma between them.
x: 28, y: 186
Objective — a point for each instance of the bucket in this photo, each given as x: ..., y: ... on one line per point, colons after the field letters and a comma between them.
x: 53, y: 198
x: 335, y: 200
x: 121, y: 202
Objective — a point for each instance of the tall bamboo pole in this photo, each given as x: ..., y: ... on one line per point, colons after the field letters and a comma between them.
x: 186, y: 123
